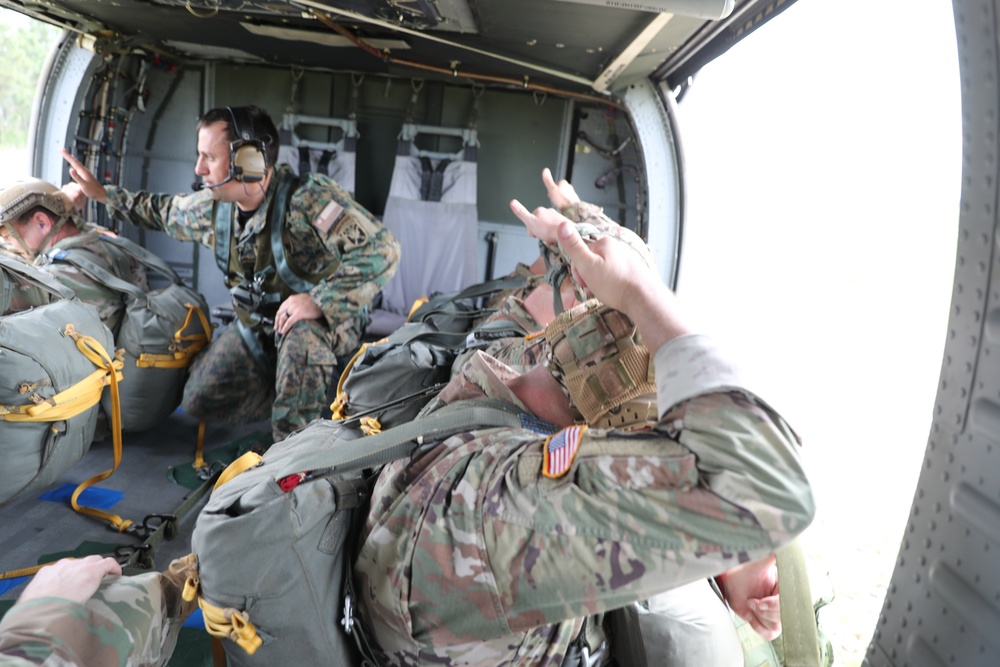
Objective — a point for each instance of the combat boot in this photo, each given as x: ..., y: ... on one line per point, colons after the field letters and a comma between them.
x: 180, y: 587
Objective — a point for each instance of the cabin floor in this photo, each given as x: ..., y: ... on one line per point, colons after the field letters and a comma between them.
x: 34, y: 530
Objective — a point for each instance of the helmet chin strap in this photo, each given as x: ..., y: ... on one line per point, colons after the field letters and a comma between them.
x: 12, y: 228
x: 48, y: 239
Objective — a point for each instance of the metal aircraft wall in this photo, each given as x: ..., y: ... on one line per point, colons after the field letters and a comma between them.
x: 943, y: 603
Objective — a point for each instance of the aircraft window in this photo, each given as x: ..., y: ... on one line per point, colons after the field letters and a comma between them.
x: 819, y: 242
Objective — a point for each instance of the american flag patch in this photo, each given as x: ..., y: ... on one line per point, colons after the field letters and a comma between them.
x: 560, y: 450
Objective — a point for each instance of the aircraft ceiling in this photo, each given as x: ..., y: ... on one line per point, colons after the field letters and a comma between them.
x: 578, y: 46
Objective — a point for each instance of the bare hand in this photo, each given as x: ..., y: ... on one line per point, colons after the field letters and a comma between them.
x: 295, y: 308
x: 607, y: 267
x: 752, y: 592
x: 561, y: 194
x: 85, y: 179
x: 75, y: 194
x: 71, y: 579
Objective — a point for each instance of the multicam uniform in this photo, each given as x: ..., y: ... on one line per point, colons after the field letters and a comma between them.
x: 326, y: 235
x: 472, y: 555
x: 129, y: 621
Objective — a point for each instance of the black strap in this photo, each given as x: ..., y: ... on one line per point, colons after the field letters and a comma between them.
x: 437, y: 181
x: 324, y: 161
x: 304, y: 163
x: 426, y: 169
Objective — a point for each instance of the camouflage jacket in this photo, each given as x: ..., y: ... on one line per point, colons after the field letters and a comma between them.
x: 109, y: 303
x: 471, y: 555
x: 125, y: 623
x: 350, y: 247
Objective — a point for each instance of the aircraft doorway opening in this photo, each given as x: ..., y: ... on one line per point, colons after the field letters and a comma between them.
x: 822, y: 213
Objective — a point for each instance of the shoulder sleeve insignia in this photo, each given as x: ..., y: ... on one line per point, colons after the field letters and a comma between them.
x: 560, y: 451
x: 328, y: 216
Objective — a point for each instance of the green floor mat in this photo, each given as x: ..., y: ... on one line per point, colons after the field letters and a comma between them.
x: 185, y: 475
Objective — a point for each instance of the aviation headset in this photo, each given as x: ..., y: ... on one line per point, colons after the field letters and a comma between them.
x: 247, y: 161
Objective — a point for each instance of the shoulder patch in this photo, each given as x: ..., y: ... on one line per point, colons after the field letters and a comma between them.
x: 352, y: 230
x: 328, y: 216
x: 560, y: 451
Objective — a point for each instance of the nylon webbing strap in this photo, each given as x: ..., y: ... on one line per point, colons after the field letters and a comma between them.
x: 98, y: 273
x: 276, y: 219
x: 144, y: 257
x: 223, y: 234
x: 255, y: 348
x: 37, y: 277
x: 798, y: 618
x: 377, y: 450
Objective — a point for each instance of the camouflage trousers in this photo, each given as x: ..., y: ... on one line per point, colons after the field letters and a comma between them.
x: 227, y: 385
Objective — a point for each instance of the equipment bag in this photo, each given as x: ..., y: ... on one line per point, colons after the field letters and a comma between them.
x: 161, y: 332
x: 275, y: 540
x: 54, y: 366
x: 388, y: 382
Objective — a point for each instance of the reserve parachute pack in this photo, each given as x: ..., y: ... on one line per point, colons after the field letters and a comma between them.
x: 161, y: 332
x: 388, y: 382
x: 276, y: 539
x: 56, y: 360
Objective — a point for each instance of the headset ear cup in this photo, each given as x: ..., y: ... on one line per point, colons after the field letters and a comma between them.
x: 248, y: 164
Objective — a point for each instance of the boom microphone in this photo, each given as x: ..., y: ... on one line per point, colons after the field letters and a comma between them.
x: 201, y: 185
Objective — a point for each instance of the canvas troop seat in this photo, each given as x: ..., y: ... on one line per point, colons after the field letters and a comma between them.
x: 432, y: 211
x: 335, y: 158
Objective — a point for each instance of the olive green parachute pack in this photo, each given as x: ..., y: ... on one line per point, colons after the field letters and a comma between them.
x: 161, y: 332
x: 389, y: 381
x: 56, y: 360
x: 275, y: 541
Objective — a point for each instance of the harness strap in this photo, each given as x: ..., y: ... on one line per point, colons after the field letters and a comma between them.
x: 37, y: 277
x: 223, y: 234
x: 276, y: 217
x: 377, y: 450
x: 255, y: 348
x: 798, y: 617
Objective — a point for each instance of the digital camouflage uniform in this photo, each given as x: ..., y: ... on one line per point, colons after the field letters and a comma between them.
x: 109, y: 303
x: 471, y: 556
x: 325, y: 233
x: 130, y: 621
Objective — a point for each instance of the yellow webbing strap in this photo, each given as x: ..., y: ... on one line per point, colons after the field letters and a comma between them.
x: 227, y: 623
x: 230, y: 623
x: 93, y: 351
x: 243, y: 463
x: 340, y: 402
x: 415, y: 307
x: 199, y: 448
x: 370, y: 426
x: 182, y: 356
x: 78, y: 398
x: 23, y: 572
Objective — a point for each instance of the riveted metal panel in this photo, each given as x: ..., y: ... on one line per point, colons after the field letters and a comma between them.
x: 943, y: 602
